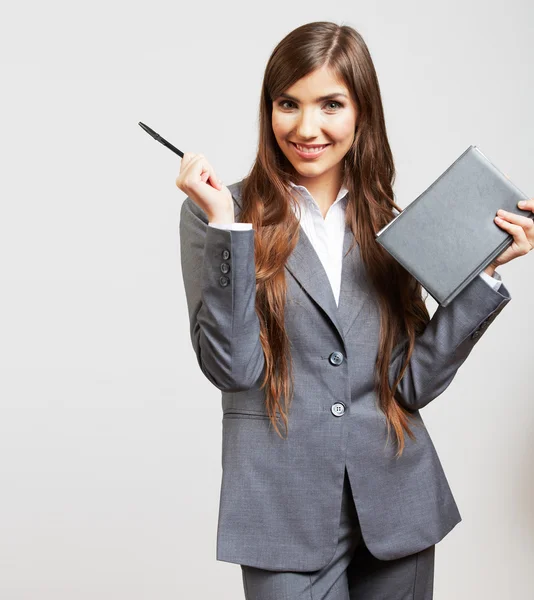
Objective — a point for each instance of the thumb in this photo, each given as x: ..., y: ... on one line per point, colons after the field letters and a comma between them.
x: 215, y: 181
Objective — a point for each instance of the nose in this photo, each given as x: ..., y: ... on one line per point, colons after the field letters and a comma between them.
x: 306, y: 125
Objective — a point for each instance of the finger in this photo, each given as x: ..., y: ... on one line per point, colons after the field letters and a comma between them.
x: 525, y: 222
x: 201, y: 168
x: 187, y: 158
x: 184, y: 163
x: 528, y: 204
x: 214, y: 180
x: 518, y: 233
x: 197, y: 165
x: 190, y: 171
x: 191, y: 157
x: 208, y: 172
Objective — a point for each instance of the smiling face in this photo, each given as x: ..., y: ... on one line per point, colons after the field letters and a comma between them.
x: 316, y: 111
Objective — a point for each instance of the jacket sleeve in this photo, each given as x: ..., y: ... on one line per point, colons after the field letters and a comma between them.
x: 446, y: 342
x: 219, y: 276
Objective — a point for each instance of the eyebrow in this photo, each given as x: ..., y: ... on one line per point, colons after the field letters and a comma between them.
x: 320, y: 99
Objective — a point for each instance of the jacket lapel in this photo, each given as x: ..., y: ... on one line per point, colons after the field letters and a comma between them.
x: 306, y: 267
x: 355, y: 290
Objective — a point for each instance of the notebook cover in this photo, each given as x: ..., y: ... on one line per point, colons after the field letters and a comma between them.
x: 447, y: 235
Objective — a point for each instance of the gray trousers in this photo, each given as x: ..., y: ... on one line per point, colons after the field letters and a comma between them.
x: 352, y: 574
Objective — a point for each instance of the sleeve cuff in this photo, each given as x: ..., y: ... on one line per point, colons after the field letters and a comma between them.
x: 232, y: 226
x: 494, y: 282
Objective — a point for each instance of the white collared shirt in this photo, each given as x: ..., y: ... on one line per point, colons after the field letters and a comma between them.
x: 326, y: 235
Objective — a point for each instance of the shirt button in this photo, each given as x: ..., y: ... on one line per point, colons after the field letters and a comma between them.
x: 223, y: 280
x: 336, y: 358
x: 338, y: 409
x: 225, y: 267
x: 226, y: 254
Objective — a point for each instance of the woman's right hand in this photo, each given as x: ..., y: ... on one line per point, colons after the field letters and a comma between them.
x: 198, y: 180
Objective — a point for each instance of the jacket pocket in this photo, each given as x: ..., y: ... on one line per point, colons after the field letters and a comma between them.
x: 233, y: 413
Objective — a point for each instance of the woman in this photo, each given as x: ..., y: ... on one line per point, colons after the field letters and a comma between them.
x: 321, y: 343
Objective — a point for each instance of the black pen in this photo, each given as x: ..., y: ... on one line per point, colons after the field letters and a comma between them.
x: 158, y: 137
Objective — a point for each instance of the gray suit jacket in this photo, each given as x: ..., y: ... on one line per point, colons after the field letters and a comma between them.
x: 280, y: 498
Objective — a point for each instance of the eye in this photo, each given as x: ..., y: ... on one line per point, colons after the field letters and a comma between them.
x: 283, y: 104
x: 336, y: 102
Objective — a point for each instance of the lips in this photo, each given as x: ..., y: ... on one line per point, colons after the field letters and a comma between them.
x: 311, y: 153
x: 309, y: 146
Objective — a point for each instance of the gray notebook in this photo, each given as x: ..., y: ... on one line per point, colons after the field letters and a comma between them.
x: 447, y: 235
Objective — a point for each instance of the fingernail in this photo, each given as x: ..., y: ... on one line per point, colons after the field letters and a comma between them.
x: 522, y: 203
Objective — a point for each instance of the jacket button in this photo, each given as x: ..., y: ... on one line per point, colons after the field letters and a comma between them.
x: 336, y: 358
x: 475, y: 334
x: 225, y: 267
x: 337, y: 409
x: 223, y: 280
x: 226, y: 254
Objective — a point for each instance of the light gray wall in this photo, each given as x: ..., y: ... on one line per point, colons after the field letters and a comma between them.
x: 109, y: 433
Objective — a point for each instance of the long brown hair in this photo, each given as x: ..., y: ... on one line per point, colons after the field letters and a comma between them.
x: 369, y: 171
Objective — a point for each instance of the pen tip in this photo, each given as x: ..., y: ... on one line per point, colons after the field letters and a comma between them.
x: 147, y: 129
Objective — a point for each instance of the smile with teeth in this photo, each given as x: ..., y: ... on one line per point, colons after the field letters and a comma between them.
x: 310, y: 149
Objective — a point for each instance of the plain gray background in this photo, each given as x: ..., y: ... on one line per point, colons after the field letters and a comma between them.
x: 110, y: 457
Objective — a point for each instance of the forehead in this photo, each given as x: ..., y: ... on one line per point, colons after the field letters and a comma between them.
x: 318, y: 82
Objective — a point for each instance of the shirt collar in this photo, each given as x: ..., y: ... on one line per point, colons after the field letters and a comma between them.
x: 341, y: 194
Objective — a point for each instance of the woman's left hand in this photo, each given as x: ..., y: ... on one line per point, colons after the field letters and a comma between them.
x: 521, y: 227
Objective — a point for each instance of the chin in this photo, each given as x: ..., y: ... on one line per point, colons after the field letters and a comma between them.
x: 312, y: 170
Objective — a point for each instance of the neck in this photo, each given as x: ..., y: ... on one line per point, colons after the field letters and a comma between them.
x: 324, y: 190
